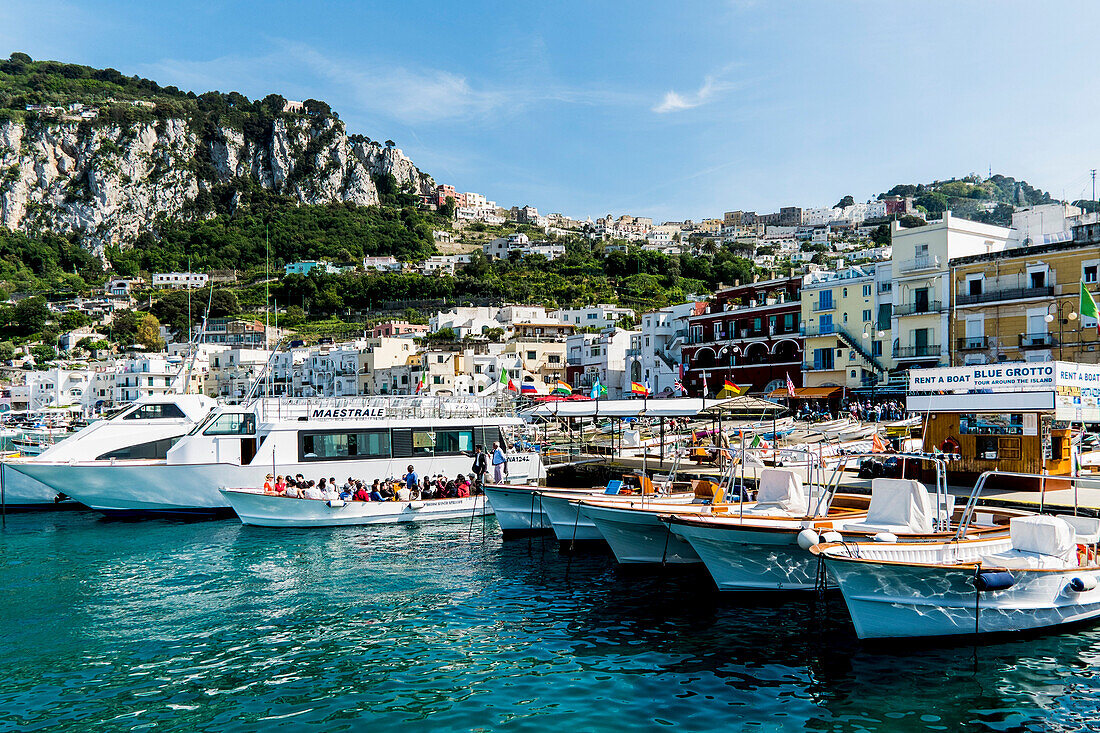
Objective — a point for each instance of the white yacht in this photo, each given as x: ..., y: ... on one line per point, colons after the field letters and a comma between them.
x: 144, y: 429
x: 237, y: 445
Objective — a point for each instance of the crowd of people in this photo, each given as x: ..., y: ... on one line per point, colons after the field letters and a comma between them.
x: 410, y: 487
x: 865, y: 411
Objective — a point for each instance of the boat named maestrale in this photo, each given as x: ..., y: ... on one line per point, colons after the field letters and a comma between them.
x: 237, y: 445
x: 1013, y: 416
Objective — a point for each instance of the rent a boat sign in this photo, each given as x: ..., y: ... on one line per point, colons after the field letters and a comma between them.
x: 1068, y: 388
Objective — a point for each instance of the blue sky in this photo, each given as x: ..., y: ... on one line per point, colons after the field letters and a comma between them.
x: 671, y: 109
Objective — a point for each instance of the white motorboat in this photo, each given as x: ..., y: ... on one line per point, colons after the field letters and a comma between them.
x: 255, y: 507
x: 764, y: 547
x: 636, y: 533
x: 237, y: 445
x: 569, y: 525
x: 518, y: 508
x: 144, y: 429
x: 1044, y: 574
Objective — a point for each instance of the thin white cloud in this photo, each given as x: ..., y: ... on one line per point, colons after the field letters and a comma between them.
x: 403, y: 93
x: 713, y: 85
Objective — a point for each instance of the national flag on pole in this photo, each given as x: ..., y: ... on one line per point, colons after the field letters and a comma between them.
x: 680, y: 386
x: 877, y: 444
x: 732, y: 388
x: 563, y: 388
x: 527, y: 388
x: 422, y: 385
x: 1088, y: 305
x: 636, y: 388
x: 790, y: 386
x: 507, y: 381
x: 705, y: 390
x: 760, y: 443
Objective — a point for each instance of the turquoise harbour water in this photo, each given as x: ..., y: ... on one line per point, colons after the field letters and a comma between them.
x: 212, y: 626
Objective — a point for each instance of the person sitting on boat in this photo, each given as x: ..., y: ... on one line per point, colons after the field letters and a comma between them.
x: 387, y: 491
x: 349, y: 485
x: 361, y: 493
x: 269, y: 485
x: 330, y: 492
x: 345, y: 492
x: 323, y: 486
x: 312, y: 492
x: 462, y: 487
x: 280, y: 485
x: 403, y: 493
x: 300, y: 481
x: 375, y: 493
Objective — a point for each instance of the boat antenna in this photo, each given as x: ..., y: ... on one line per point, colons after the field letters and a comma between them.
x: 192, y: 342
x: 267, y: 288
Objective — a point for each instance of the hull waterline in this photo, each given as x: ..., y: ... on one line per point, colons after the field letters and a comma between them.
x: 266, y: 510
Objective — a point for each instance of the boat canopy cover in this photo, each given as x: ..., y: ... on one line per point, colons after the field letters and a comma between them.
x: 781, y: 489
x: 673, y: 407
x: 744, y: 403
x: 1042, y: 535
x: 897, y: 505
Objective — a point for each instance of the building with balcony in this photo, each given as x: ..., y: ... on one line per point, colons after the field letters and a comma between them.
x: 1021, y: 304
x: 748, y: 334
x: 655, y: 354
x: 603, y: 356
x: 922, y: 283
x: 846, y: 325
x: 600, y: 316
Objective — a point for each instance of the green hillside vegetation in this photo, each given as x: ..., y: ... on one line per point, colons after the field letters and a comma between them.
x: 988, y: 200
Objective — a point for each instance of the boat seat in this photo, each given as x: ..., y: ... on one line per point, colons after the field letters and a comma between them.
x: 897, y: 505
x: 780, y: 491
x: 613, y: 487
x: 1087, y: 529
x: 1037, y: 542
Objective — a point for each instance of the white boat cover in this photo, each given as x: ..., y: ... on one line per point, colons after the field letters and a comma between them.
x: 1042, y: 535
x: 1037, y: 542
x: 780, y: 490
x: 897, y: 505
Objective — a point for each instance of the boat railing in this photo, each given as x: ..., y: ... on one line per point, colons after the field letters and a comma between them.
x: 938, y: 461
x: 971, y: 507
x: 398, y: 407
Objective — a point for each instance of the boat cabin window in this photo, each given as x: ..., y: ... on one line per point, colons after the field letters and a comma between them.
x: 157, y: 449
x: 167, y: 411
x: 991, y: 423
x: 334, y: 445
x: 451, y: 442
x: 232, y: 423
x: 423, y: 442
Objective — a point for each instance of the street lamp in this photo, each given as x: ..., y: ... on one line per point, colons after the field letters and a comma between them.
x: 1062, y: 320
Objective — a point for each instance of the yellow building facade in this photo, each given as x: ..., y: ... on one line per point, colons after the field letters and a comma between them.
x: 1022, y: 304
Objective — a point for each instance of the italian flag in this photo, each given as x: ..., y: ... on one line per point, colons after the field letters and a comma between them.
x: 1088, y: 305
x: 507, y: 382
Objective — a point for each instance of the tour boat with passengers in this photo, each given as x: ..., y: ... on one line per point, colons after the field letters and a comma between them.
x: 144, y: 429
x: 256, y: 507
x: 1045, y: 573
x: 238, y: 445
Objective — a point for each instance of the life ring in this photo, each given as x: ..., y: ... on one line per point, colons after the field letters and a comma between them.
x: 950, y: 445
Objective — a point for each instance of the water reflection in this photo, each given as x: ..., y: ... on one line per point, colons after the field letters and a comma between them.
x: 215, y: 626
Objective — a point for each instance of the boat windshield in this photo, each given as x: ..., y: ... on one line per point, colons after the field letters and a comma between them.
x: 203, y: 423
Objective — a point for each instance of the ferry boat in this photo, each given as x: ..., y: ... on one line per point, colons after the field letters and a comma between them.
x: 237, y: 445
x: 144, y: 429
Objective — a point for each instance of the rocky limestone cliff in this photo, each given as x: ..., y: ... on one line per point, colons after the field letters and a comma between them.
x: 108, y: 183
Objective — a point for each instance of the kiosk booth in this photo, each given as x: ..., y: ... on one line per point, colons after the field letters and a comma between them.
x: 1012, y: 416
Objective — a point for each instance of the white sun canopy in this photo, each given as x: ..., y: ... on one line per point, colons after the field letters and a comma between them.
x: 671, y: 407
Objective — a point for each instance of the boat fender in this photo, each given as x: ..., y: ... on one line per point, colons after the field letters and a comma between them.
x: 1082, y: 583
x: 885, y: 537
x: 807, y: 538
x: 832, y: 536
x: 335, y: 503
x: 988, y: 580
